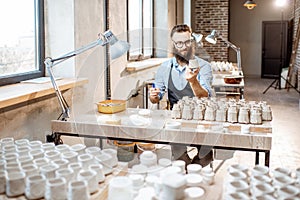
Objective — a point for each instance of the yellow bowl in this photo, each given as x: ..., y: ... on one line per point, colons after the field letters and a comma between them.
x: 111, y: 106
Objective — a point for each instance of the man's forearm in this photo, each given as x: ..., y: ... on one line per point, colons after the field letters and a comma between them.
x: 198, y: 90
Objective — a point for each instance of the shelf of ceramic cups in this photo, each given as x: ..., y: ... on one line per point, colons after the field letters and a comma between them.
x: 162, y: 179
x: 222, y: 110
x: 34, y: 170
x: 259, y: 182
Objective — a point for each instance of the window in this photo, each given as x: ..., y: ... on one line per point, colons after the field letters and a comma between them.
x: 21, y: 40
x: 140, y: 32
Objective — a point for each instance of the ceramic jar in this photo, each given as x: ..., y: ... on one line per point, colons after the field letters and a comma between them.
x: 232, y: 115
x: 148, y: 158
x: 266, y: 113
x: 198, y: 113
x: 176, y: 112
x: 120, y: 186
x: 255, y: 116
x: 15, y: 184
x: 78, y: 190
x: 244, y: 115
x: 55, y: 189
x: 187, y: 113
x: 173, y: 187
x: 35, y: 186
x: 90, y: 176
x: 210, y: 114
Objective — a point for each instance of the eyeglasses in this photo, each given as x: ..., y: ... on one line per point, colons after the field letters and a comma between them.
x: 180, y: 44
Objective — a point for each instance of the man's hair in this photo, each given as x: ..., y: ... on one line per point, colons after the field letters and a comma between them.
x: 180, y: 28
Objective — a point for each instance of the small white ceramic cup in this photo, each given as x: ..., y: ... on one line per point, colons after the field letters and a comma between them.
x: 237, y: 196
x: 53, y: 154
x: 79, y: 148
x: 71, y: 156
x: 49, y: 170
x: 22, y: 142
x: 15, y: 184
x: 288, y: 192
x: 65, y: 173
x: 7, y: 141
x: 25, y: 160
x: 262, y: 189
x: 180, y: 164
x: 2, y: 180
x: 194, y: 193
x: 235, y: 186
x: 113, y: 153
x: 56, y: 188
x: 23, y: 150
x: 90, y: 176
x: 62, y: 163
x: 62, y: 148
x: 98, y: 168
x: 35, y: 186
x: 30, y: 170
x: 193, y: 180
x: 120, y: 186
x: 48, y: 146
x: 137, y: 181
x: 86, y: 160
x: 94, y: 150
x: 173, y: 187
x: 78, y: 190
x: 41, y: 162
x: 238, y: 167
x: 37, y: 153
x: 194, y: 169
x: 164, y: 162
x: 35, y: 144
x: 76, y: 167
x: 260, y: 170
x: 148, y: 158
x: 105, y: 160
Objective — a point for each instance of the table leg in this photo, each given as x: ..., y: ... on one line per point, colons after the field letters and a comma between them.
x: 267, y: 158
x: 256, y: 157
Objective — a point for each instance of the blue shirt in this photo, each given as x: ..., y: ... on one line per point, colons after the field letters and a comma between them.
x: 178, y: 76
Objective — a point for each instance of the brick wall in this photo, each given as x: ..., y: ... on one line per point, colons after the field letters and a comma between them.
x: 209, y: 15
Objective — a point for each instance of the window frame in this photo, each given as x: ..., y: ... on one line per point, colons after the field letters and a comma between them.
x: 142, y: 34
x: 40, y: 49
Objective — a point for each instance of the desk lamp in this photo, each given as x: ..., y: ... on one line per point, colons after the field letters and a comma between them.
x: 118, y: 48
x: 212, y: 38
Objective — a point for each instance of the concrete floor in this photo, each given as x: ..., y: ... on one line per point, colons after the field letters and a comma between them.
x: 286, y: 135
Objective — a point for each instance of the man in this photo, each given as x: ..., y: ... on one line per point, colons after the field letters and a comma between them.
x: 179, y: 80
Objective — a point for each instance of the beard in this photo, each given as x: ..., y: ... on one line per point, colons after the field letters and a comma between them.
x: 186, y: 56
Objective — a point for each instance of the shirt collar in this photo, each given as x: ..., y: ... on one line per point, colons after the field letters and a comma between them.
x: 177, y: 66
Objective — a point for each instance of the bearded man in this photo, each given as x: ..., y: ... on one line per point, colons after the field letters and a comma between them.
x: 178, y: 80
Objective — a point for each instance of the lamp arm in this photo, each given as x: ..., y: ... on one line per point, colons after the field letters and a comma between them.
x: 238, y: 53
x: 49, y: 62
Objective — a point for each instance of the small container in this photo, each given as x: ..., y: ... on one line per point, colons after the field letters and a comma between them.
x: 125, y: 150
x: 113, y: 153
x: 56, y: 188
x: 120, y: 186
x: 86, y: 160
x: 35, y: 186
x: 53, y: 154
x: 148, y: 158
x: 98, y: 168
x: 15, y: 184
x: 194, y: 193
x: 91, y: 177
x: 79, y: 148
x: 78, y: 190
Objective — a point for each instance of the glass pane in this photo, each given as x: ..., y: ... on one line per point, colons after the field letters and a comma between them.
x: 135, y: 27
x: 147, y: 27
x: 17, y: 37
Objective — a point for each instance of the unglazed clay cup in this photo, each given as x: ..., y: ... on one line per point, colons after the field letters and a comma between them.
x: 49, y: 170
x: 194, y: 169
x: 53, y: 154
x: 113, y: 153
x: 94, y: 150
x: 2, y: 181
x: 78, y: 190
x: 262, y: 189
x: 79, y: 148
x: 98, y: 168
x: 62, y: 163
x: 260, y: 170
x: 62, y: 148
x: 15, y: 184
x: 71, y: 156
x: 120, y: 186
x: 105, y: 160
x: 90, y: 176
x: 35, y: 186
x: 66, y: 173
x: 86, y: 160
x: 30, y: 170
x: 56, y: 188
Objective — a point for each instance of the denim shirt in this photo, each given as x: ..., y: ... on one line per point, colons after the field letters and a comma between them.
x: 178, y: 76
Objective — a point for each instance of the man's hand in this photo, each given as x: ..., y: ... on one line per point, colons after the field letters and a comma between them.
x: 191, y: 74
x: 154, y: 98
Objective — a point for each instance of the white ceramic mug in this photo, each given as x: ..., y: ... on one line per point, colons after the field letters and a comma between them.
x: 78, y: 190
x: 35, y: 186
x: 98, y: 168
x: 56, y: 189
x: 120, y: 186
x: 91, y: 177
x: 15, y: 184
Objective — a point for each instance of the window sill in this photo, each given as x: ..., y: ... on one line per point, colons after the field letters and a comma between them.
x: 22, y: 92
x: 144, y: 64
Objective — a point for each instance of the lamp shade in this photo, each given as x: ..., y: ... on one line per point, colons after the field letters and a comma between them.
x: 197, y: 37
x: 250, y: 4
x: 118, y: 49
x: 212, y: 37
